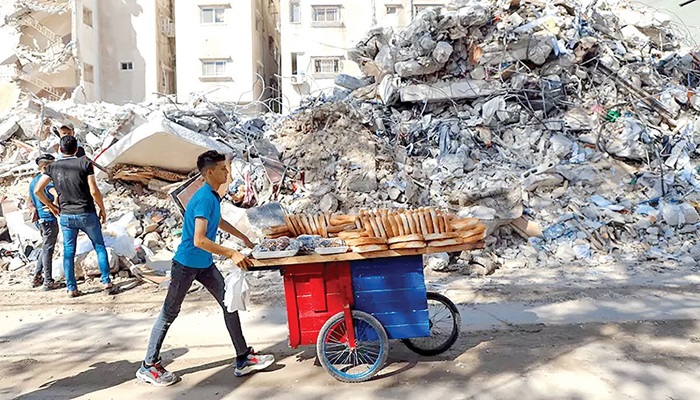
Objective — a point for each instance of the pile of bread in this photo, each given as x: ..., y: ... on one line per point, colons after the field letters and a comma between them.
x: 382, y: 229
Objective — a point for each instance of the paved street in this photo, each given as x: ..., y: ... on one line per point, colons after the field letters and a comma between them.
x: 616, y: 346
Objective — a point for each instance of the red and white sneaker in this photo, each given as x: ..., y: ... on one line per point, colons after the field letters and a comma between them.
x: 254, y: 362
x: 156, y: 375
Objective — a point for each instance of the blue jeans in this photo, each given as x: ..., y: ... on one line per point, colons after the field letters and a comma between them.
x: 90, y: 224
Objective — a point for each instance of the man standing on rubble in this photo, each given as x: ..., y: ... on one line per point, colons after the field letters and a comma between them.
x: 77, y: 189
x: 193, y: 261
x: 67, y: 130
x: 48, y: 227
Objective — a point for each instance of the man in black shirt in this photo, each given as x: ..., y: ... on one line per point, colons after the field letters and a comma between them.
x: 77, y: 189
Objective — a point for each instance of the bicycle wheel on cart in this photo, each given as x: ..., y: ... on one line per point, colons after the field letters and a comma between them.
x: 444, y: 327
x: 343, y: 362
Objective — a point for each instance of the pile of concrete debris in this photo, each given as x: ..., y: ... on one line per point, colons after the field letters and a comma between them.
x: 145, y: 155
x: 579, y: 117
x: 571, y: 128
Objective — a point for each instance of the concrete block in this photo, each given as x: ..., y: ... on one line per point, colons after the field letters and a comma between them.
x: 466, y: 89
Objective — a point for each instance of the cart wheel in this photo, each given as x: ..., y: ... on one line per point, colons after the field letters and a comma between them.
x: 344, y: 363
x: 444, y: 327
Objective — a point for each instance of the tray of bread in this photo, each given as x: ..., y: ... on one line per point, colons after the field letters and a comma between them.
x: 417, y: 231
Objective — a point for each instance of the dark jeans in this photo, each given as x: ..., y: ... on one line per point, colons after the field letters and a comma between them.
x: 181, y: 278
x: 49, y: 233
x: 71, y: 225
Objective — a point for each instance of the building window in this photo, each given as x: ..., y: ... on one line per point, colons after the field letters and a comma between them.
x: 326, y: 14
x: 167, y: 27
x: 213, y: 15
x: 127, y: 66
x: 327, y: 65
x: 295, y: 12
x: 88, y: 73
x: 392, y: 10
x: 295, y: 63
x: 87, y: 16
x: 214, y: 68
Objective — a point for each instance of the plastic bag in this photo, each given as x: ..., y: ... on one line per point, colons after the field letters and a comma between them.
x: 308, y: 243
x: 237, y: 293
x: 281, y: 244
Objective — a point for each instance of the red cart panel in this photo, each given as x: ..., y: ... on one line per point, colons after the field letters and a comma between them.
x: 314, y: 293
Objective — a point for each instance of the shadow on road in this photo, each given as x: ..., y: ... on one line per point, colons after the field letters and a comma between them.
x: 99, y: 376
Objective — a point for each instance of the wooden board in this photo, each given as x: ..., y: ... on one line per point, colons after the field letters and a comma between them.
x: 317, y: 258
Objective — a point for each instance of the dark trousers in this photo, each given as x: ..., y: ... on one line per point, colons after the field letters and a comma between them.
x: 181, y: 278
x: 49, y: 233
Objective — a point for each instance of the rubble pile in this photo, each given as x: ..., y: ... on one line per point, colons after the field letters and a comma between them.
x: 342, y: 161
x: 579, y: 117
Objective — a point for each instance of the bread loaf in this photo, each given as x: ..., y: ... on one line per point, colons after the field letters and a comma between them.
x: 407, y: 245
x: 352, y: 234
x: 370, y: 248
x: 406, y: 238
x: 441, y: 236
x: 464, y: 224
x: 365, y: 241
x: 445, y: 243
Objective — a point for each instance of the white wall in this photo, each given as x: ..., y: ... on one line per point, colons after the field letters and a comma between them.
x: 232, y: 41
x: 87, y: 39
x: 308, y: 42
x: 128, y: 34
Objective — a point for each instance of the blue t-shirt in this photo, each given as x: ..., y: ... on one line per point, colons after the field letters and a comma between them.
x: 43, y: 211
x: 204, y: 204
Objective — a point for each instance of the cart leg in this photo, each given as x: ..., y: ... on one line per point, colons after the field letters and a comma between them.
x: 350, y: 326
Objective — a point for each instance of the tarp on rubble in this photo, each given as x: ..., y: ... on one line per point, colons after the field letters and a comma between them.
x: 162, y: 144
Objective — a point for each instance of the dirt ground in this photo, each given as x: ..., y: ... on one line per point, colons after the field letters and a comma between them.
x: 526, y: 335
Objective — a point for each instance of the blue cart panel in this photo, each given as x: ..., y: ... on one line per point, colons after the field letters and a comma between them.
x: 393, y: 291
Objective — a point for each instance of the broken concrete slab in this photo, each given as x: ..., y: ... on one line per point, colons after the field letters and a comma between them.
x: 20, y: 227
x: 160, y: 143
x: 526, y: 228
x: 161, y: 261
x: 8, y: 128
x: 440, y: 91
x: 349, y: 82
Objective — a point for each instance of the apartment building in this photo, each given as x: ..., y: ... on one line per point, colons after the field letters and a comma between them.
x: 228, y: 51
x: 318, y: 33
x: 114, y: 51
x: 136, y: 50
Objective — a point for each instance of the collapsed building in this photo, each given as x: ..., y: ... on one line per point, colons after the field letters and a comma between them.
x: 61, y: 49
x: 569, y: 127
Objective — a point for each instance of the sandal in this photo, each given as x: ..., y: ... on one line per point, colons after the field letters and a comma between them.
x: 74, y: 293
x: 110, y: 289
